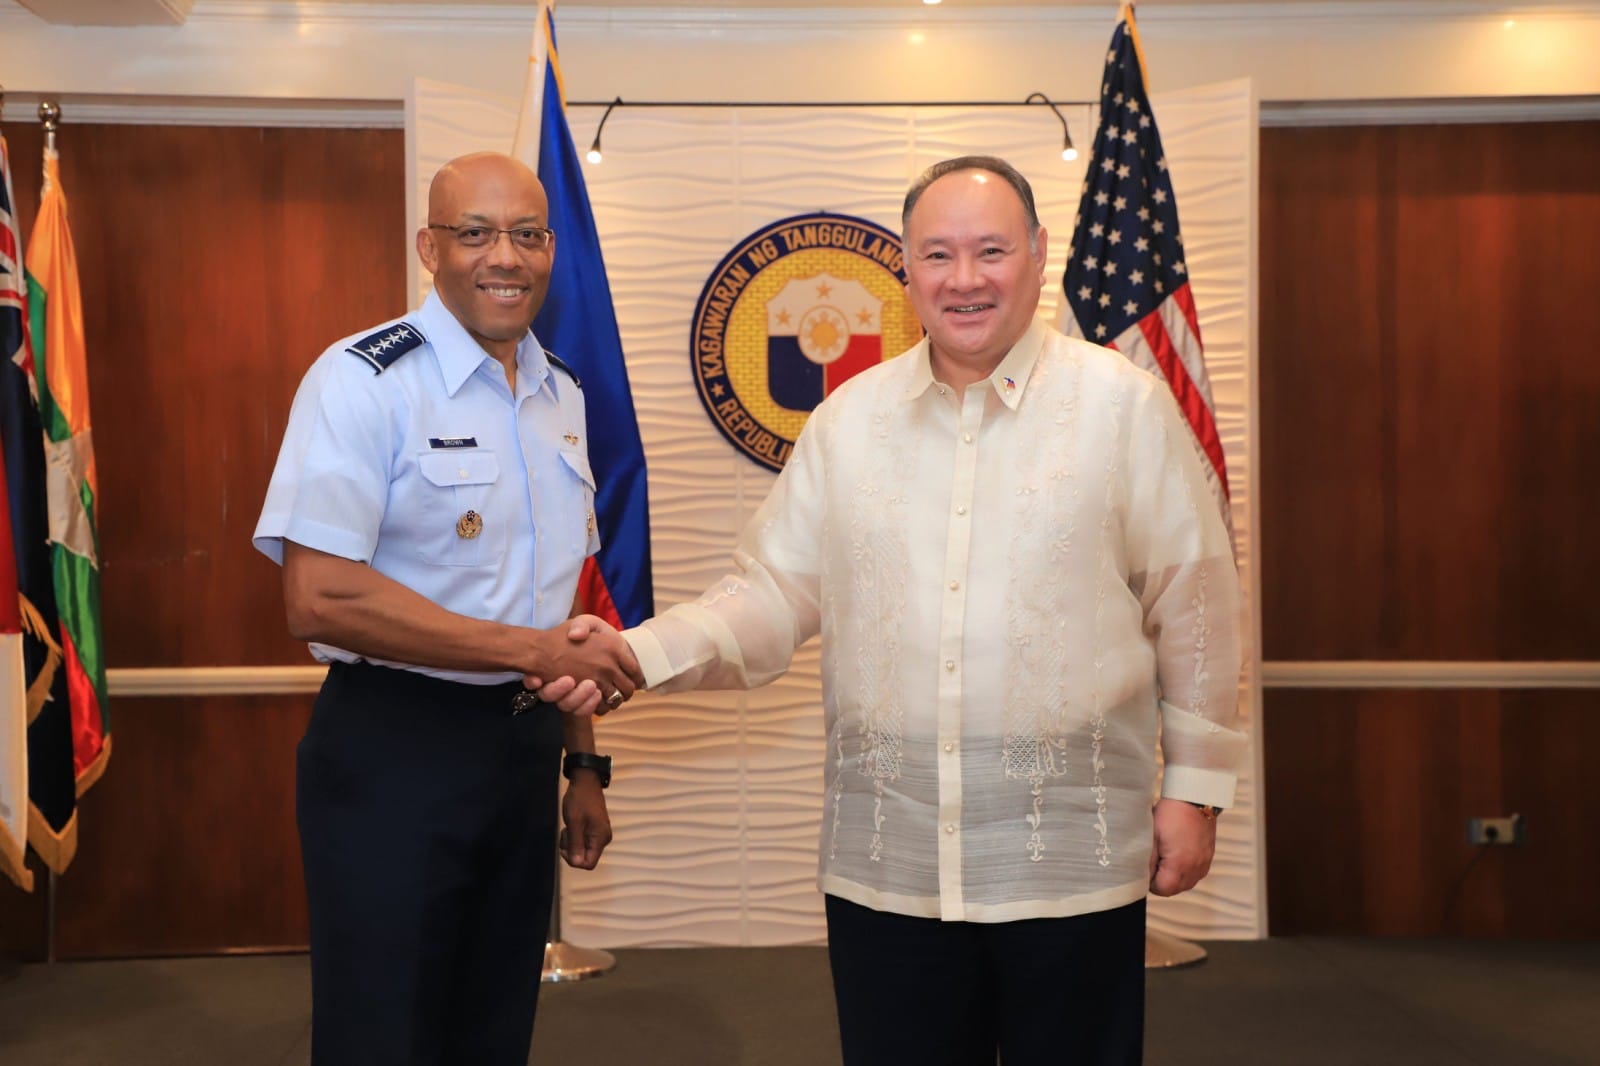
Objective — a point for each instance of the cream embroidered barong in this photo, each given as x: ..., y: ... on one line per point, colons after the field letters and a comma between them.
x: 1015, y: 590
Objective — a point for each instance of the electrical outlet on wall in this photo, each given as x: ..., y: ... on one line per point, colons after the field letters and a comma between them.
x: 1512, y: 829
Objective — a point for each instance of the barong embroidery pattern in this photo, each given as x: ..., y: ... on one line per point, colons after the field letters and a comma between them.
x: 1036, y: 714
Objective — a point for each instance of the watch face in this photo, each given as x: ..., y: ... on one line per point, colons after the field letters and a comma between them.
x: 583, y: 760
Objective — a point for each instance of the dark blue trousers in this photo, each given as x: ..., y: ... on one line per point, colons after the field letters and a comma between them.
x: 427, y: 816
x: 1039, y: 991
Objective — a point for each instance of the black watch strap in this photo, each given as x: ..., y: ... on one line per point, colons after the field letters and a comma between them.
x: 587, y: 760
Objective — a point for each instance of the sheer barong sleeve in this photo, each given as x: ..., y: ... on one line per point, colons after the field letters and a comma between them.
x: 1181, y: 566
x: 743, y: 631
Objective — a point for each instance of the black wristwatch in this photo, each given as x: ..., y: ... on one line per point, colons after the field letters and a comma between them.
x: 587, y: 760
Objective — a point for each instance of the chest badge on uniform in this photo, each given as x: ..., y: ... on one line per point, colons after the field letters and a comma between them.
x: 590, y: 531
x: 470, y: 525
x: 570, y: 438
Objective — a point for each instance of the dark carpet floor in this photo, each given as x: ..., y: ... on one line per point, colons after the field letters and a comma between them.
x: 1294, y: 1002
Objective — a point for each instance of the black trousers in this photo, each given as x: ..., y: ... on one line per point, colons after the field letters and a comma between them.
x: 427, y: 816
x: 924, y: 992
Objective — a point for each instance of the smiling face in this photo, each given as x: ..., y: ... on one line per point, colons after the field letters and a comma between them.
x: 494, y: 291
x: 971, y: 275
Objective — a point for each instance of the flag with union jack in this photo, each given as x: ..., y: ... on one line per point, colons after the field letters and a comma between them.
x: 13, y: 679
x: 1127, y: 279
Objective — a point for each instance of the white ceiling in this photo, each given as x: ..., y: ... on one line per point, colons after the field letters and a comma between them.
x: 1110, y: 5
x: 172, y: 12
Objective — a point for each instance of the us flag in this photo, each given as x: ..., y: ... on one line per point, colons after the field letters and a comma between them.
x: 1127, y: 281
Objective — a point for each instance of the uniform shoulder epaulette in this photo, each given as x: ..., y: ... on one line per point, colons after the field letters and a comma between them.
x: 387, y: 343
x: 556, y: 362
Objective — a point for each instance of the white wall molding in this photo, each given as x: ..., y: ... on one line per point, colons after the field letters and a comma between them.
x: 279, y: 680
x: 201, y: 111
x: 1410, y: 675
x: 390, y: 114
x: 214, y: 681
x: 1431, y: 112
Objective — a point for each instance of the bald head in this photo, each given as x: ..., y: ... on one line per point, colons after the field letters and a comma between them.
x: 463, y: 175
x: 483, y: 209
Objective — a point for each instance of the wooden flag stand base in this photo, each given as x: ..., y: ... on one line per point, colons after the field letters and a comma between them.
x: 1165, y: 952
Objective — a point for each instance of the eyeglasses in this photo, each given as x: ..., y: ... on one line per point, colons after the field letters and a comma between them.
x: 528, y: 238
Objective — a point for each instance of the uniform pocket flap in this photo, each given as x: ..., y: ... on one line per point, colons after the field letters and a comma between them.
x: 579, y: 463
x: 459, y: 468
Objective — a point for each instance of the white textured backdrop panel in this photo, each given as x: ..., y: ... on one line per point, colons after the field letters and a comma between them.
x: 717, y: 796
x: 1209, y: 134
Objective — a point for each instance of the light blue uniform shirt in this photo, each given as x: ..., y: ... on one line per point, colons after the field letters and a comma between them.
x: 383, y: 467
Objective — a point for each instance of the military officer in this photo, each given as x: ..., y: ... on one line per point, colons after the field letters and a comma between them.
x: 432, y: 506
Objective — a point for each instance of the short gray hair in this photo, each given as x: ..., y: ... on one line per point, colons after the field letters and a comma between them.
x: 993, y: 165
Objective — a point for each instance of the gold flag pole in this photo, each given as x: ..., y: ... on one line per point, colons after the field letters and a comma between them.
x: 50, y: 117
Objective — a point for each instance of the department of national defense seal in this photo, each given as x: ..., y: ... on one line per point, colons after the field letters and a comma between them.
x: 796, y: 309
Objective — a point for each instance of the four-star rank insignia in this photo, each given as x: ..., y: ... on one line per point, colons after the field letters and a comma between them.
x: 384, y: 345
x: 469, y: 525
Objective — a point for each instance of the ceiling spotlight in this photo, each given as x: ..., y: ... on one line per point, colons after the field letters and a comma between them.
x: 1068, y: 152
x: 593, y: 155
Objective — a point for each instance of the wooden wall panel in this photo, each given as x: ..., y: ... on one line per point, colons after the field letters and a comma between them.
x: 1430, y: 403
x: 190, y: 846
x: 24, y: 918
x: 1322, y: 471
x: 1429, y: 392
x: 1368, y: 793
x: 216, y: 264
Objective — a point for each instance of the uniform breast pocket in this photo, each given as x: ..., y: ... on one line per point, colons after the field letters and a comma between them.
x: 578, y: 464
x: 466, y: 516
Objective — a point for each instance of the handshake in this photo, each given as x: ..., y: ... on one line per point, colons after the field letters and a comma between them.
x: 591, y: 669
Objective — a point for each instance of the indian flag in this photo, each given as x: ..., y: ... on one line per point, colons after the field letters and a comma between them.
x: 56, y: 320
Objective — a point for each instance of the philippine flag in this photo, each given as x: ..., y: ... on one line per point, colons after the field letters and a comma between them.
x: 821, y: 332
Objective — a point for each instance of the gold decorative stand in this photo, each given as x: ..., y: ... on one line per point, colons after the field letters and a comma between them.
x: 568, y: 962
x: 1165, y: 952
